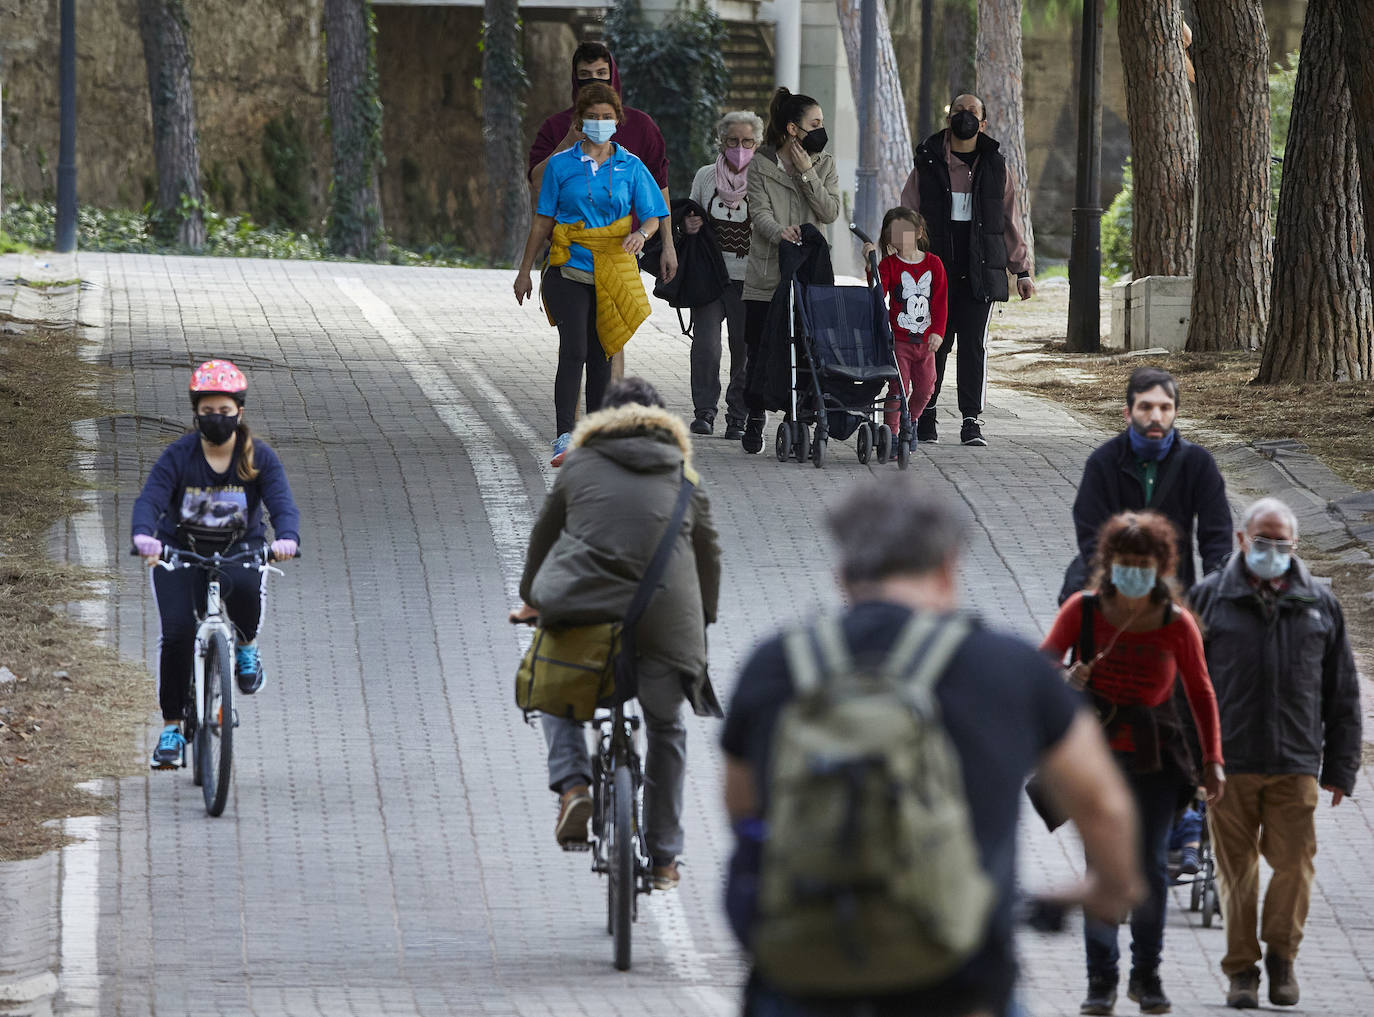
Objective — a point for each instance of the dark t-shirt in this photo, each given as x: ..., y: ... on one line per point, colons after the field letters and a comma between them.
x: 1004, y: 705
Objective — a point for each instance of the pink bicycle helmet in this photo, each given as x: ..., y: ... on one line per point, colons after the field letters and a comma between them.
x: 218, y: 377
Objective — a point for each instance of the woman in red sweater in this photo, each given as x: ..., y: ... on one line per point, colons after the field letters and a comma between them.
x: 1132, y: 638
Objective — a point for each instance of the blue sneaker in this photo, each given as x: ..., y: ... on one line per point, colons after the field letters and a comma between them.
x: 170, y: 749
x: 249, y: 668
x: 561, y: 444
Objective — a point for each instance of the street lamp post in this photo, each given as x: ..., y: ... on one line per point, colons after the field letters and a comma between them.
x: 865, y: 210
x: 66, y: 146
x: 1085, y: 253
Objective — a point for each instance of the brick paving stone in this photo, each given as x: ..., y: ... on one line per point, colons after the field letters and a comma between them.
x: 387, y: 848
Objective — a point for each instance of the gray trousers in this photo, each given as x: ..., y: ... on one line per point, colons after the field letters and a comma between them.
x: 665, y: 763
x: 706, y: 322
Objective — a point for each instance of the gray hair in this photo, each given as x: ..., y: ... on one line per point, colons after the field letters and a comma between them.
x: 1269, y: 507
x: 893, y: 526
x: 739, y: 117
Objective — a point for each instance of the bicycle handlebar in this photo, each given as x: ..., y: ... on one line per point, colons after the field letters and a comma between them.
x: 175, y: 557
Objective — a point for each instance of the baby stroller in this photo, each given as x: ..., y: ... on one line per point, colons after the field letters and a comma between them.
x: 842, y: 359
x: 1202, y: 888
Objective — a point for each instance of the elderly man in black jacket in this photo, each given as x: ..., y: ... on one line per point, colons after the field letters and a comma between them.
x: 1151, y: 466
x: 1290, y: 720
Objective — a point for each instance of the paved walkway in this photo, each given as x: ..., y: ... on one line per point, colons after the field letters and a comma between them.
x: 388, y: 848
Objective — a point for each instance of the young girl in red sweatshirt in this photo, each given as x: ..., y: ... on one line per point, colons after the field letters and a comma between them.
x: 916, y: 288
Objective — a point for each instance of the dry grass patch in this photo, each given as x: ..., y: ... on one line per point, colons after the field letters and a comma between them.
x: 73, y: 709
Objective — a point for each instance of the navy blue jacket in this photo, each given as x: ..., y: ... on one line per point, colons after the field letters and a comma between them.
x: 183, y: 489
x: 1188, y: 491
x: 1284, y: 675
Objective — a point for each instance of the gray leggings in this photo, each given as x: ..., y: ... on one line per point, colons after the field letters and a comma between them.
x: 573, y: 306
x: 706, y: 322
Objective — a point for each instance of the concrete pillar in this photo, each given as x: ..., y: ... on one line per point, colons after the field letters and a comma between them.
x: 787, y: 43
x: 825, y: 76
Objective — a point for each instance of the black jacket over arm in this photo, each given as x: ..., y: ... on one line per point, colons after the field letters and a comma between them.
x: 1189, y: 491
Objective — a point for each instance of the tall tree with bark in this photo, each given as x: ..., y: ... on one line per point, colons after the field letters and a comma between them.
x: 355, y: 128
x: 999, y: 86
x: 1357, y: 33
x: 1321, y: 321
x: 959, y: 31
x: 178, y: 216
x: 1164, y: 146
x: 895, y: 157
x: 503, y: 110
x: 1233, y: 257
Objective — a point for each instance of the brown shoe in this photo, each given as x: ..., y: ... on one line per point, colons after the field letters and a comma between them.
x: 1244, y: 991
x: 1283, y: 984
x: 574, y: 809
x: 666, y: 877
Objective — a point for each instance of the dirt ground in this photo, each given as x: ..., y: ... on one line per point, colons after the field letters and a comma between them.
x: 69, y: 706
x: 1219, y: 404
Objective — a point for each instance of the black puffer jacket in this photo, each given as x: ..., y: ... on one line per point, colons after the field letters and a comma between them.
x: 1284, y: 677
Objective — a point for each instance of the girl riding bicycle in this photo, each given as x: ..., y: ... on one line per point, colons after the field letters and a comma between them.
x: 205, y: 494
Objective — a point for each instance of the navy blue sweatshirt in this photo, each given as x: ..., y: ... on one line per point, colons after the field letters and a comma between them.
x: 182, y: 488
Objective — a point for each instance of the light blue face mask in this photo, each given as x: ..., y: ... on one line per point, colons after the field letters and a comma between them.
x: 1133, y: 580
x: 598, y: 132
x: 1267, y: 562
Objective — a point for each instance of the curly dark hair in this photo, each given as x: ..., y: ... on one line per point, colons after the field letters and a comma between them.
x: 1146, y: 534
x: 595, y: 94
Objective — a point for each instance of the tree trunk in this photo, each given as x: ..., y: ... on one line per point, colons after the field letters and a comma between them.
x: 958, y: 44
x: 999, y: 86
x: 1233, y: 256
x: 1357, y: 29
x: 895, y: 158
x: 503, y: 110
x: 1164, y: 145
x: 178, y: 216
x: 355, y: 128
x: 1322, y: 318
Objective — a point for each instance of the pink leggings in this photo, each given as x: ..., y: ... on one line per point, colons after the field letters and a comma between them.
x: 917, y: 365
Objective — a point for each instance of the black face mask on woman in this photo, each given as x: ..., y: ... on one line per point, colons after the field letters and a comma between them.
x: 217, y: 428
x: 815, y: 141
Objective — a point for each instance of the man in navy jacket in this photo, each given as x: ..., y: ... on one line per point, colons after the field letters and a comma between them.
x: 1150, y: 466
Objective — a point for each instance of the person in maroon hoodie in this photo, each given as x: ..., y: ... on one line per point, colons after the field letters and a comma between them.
x: 638, y: 134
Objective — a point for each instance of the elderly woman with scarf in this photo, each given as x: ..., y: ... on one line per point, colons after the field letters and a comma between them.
x: 720, y: 189
x: 589, y: 197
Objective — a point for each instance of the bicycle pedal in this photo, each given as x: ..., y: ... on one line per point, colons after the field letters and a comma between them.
x: 575, y: 846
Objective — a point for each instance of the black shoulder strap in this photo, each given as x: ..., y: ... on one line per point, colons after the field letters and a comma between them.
x: 654, y: 573
x: 1087, y: 645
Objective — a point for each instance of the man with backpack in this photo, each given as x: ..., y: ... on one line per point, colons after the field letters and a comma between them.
x: 875, y: 762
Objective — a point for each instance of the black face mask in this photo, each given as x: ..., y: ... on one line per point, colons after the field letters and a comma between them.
x: 963, y: 125
x: 815, y: 141
x: 582, y: 82
x: 217, y: 428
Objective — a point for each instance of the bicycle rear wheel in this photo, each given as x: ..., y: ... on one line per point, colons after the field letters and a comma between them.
x: 215, y: 732
x: 620, y: 857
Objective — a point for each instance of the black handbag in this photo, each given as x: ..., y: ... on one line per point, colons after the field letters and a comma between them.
x: 701, y: 277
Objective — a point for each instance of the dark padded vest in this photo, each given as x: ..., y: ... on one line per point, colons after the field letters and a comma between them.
x: 987, y: 238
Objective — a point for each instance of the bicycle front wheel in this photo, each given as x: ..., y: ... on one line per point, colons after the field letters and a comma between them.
x: 620, y: 856
x: 215, y: 732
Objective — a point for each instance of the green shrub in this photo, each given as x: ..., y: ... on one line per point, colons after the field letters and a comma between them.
x: 1116, y: 228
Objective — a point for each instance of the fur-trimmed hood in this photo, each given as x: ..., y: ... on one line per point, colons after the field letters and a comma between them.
x: 640, y: 438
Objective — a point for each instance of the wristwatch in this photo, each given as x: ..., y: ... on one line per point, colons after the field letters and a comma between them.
x: 641, y: 232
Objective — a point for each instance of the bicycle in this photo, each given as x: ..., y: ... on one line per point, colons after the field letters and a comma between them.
x: 209, y: 737
x: 617, y: 841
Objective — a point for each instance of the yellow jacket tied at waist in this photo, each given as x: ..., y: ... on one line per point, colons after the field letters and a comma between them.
x: 621, y: 303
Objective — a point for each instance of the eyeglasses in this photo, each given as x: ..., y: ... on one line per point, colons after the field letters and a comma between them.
x: 1268, y: 544
x: 740, y: 142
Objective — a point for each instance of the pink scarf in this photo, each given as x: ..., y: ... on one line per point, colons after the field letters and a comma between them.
x: 730, y: 183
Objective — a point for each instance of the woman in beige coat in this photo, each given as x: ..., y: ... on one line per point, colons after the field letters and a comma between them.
x: 792, y: 182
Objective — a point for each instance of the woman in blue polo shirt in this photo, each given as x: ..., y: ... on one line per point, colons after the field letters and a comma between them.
x: 590, y: 193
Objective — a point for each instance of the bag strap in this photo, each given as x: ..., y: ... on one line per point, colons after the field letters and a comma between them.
x: 944, y: 642
x: 1087, y: 644
x: 654, y: 573
x: 691, y: 321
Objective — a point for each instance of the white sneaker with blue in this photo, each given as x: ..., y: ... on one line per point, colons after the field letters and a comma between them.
x: 170, y: 748
x: 249, y: 667
x: 561, y: 444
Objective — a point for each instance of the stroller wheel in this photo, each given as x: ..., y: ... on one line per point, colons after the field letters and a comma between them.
x: 1195, y: 893
x: 863, y: 442
x: 884, y: 443
x: 783, y: 446
x: 903, y: 454
x: 801, y: 442
x: 818, y: 452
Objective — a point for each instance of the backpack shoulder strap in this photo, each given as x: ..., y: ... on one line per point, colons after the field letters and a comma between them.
x: 814, y: 654
x: 940, y: 649
x: 902, y: 657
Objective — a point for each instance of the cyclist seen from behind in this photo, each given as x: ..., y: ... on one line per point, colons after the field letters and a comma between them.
x: 591, y: 544
x: 206, y: 494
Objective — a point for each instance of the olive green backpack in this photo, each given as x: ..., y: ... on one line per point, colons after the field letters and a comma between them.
x: 871, y: 879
